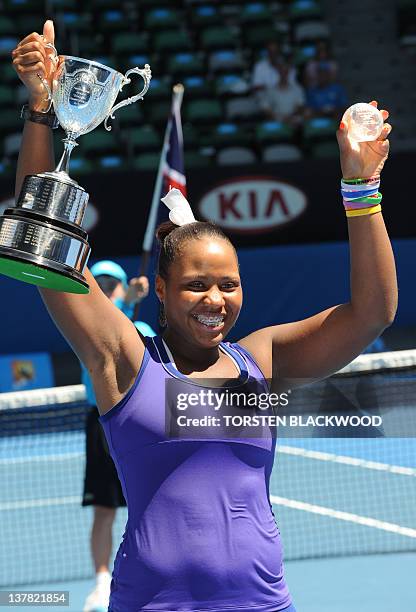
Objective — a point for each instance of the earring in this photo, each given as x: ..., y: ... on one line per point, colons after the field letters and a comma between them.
x: 162, y: 315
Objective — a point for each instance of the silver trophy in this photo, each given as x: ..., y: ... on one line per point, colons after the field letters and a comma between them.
x: 41, y: 238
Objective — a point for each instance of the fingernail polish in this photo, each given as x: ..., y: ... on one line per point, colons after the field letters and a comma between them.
x: 342, y: 125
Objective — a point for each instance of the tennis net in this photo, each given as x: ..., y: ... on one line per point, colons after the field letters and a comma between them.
x: 332, y: 496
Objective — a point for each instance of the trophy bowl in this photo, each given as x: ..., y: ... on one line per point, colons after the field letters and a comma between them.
x: 41, y: 239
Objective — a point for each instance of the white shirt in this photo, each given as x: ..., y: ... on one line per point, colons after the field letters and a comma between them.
x: 283, y: 102
x: 266, y: 75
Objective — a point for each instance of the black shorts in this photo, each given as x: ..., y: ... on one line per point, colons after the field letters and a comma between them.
x: 101, y: 485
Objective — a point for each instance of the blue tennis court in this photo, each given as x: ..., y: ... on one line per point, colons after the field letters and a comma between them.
x: 335, y: 501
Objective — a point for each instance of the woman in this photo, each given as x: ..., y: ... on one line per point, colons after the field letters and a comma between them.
x: 200, y: 533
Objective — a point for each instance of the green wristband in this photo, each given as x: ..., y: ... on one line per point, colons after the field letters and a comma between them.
x: 359, y: 181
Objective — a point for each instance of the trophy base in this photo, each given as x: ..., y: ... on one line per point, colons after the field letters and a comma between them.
x: 42, y: 276
x: 38, y: 253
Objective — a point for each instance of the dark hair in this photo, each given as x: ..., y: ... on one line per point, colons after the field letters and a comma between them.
x: 107, y: 283
x: 172, y: 237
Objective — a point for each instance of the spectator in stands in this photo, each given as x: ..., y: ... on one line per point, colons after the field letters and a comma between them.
x: 266, y: 73
x: 322, y: 54
x: 285, y: 101
x: 102, y: 487
x: 327, y: 99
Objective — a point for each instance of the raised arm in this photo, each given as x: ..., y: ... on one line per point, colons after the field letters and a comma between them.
x: 102, y: 337
x: 316, y: 347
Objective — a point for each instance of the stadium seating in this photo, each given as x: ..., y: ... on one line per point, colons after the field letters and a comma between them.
x: 301, y: 10
x: 207, y: 111
x: 324, y: 150
x: 281, y: 152
x: 203, y: 16
x: 219, y: 37
x: 196, y: 86
x: 241, y: 109
x: 319, y: 129
x: 186, y: 64
x: 129, y: 42
x: 225, y: 60
x: 231, y: 85
x: 235, y: 156
x: 172, y: 40
x: 226, y: 134
x: 99, y: 142
x: 80, y: 166
x: 256, y: 12
x: 273, y: 131
x: 146, y: 161
x: 160, y: 18
x: 143, y: 138
x: 195, y: 159
x: 208, y: 45
x: 310, y: 31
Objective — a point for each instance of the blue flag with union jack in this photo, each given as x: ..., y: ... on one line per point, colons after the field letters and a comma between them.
x: 174, y: 171
x: 171, y: 171
x: 173, y: 168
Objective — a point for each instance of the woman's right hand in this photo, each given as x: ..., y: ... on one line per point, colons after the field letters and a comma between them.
x: 33, y: 59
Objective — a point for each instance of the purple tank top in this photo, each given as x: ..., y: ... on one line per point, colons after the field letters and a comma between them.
x: 200, y: 534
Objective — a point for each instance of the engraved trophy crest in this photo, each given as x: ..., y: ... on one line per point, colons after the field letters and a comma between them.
x: 41, y: 239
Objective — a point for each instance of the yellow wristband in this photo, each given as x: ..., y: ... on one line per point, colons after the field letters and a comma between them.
x: 360, y: 212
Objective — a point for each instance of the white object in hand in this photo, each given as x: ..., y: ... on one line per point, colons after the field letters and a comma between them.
x: 364, y: 121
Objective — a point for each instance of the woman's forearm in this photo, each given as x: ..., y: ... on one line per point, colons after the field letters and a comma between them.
x: 36, y: 152
x: 373, y: 272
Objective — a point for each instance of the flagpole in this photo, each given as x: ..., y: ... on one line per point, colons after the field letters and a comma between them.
x: 147, y: 245
x: 151, y: 222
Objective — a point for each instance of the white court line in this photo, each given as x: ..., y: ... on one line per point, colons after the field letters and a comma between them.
x: 42, y: 458
x: 40, y: 503
x: 343, y: 516
x: 370, y: 465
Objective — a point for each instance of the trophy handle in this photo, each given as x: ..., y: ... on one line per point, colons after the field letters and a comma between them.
x: 146, y: 75
x: 44, y: 82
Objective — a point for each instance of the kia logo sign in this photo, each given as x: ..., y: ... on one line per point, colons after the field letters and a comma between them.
x: 252, y: 204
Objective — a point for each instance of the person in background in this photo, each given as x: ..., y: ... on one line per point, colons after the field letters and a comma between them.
x: 326, y: 99
x: 266, y: 73
x: 102, y: 488
x: 285, y: 101
x: 322, y: 54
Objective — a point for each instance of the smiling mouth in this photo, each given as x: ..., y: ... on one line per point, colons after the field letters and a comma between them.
x: 210, y: 321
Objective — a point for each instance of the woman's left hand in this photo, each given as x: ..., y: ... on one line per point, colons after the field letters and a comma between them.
x: 363, y: 159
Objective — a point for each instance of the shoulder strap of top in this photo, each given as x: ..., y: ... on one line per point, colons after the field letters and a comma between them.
x: 253, y: 366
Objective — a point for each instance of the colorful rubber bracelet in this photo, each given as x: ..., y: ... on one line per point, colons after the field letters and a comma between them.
x: 357, y: 195
x: 363, y: 211
x: 354, y: 193
x: 361, y: 181
x: 358, y: 206
x: 359, y: 186
x: 364, y: 202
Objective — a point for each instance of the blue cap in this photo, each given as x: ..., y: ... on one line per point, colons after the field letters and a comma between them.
x: 109, y: 268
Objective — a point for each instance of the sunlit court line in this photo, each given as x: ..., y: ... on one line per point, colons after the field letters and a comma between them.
x: 346, y: 460
x: 343, y: 516
x: 40, y: 503
x: 42, y: 458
